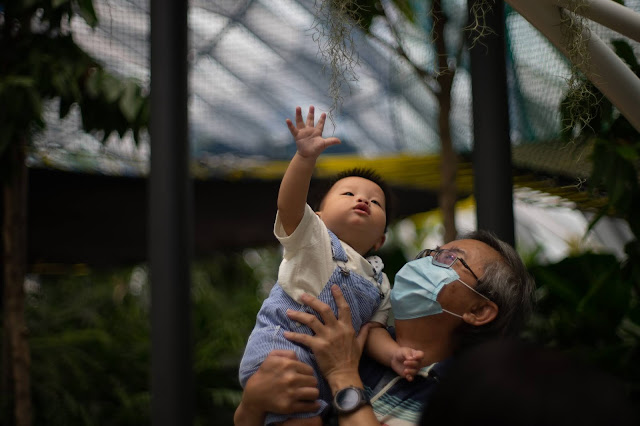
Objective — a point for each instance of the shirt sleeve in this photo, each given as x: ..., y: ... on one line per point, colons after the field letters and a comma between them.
x: 382, y: 314
x: 307, y: 261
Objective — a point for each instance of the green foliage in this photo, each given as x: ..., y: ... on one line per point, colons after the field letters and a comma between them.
x: 616, y: 152
x: 89, y: 336
x: 615, y: 172
x: 589, y: 305
x: 365, y: 11
x: 90, y: 351
x: 225, y: 303
x: 40, y: 61
x: 589, y: 308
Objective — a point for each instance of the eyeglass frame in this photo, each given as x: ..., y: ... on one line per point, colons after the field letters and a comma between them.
x: 427, y: 252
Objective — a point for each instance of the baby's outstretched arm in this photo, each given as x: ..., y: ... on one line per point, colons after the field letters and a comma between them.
x: 381, y: 347
x: 294, y: 188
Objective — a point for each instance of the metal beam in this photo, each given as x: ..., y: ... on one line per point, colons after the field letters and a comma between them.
x: 609, y: 73
x: 493, y: 184
x: 170, y: 233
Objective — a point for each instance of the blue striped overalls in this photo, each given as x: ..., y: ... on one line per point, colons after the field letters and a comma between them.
x: 363, y: 297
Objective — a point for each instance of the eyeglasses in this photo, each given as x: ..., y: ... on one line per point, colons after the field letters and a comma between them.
x: 445, y: 259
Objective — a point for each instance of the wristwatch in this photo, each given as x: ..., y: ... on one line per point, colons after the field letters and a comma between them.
x: 349, y: 399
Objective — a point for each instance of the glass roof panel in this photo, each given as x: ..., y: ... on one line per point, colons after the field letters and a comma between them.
x: 253, y: 61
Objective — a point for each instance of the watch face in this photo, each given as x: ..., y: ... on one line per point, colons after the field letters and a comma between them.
x: 347, y: 398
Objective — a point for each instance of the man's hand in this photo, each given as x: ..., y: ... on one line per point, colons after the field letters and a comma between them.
x: 281, y: 385
x: 336, y: 349
x: 308, y: 137
x: 335, y: 346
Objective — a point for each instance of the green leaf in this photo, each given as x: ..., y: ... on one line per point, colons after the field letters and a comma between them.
x: 617, y: 191
x: 88, y: 13
x: 557, y: 285
x: 17, y: 80
x: 602, y: 162
x: 93, y: 82
x: 606, y: 291
x: 601, y: 213
x: 111, y: 88
x: 57, y: 3
x: 27, y: 4
x: 628, y: 152
x: 60, y: 82
x: 583, y: 295
x: 625, y: 52
x: 130, y: 101
x: 622, y: 129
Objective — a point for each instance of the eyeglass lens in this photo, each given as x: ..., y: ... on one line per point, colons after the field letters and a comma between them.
x: 444, y: 258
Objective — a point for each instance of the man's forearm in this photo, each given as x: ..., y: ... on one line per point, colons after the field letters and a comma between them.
x: 245, y: 417
x: 364, y: 416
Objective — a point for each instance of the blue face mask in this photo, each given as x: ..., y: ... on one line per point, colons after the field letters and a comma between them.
x: 416, y: 288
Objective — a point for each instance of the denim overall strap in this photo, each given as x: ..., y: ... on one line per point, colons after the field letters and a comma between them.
x: 336, y: 248
x: 377, y: 265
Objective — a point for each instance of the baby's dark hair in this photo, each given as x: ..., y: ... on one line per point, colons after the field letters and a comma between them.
x: 368, y: 174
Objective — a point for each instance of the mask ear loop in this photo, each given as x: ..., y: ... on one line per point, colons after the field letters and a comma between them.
x: 450, y: 313
x: 470, y: 288
x: 474, y: 290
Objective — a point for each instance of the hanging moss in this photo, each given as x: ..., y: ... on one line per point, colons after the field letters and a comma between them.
x: 333, y: 26
x: 477, y: 27
x: 581, y: 95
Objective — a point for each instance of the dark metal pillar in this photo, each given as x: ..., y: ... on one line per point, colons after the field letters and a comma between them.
x: 492, y: 179
x: 170, y: 218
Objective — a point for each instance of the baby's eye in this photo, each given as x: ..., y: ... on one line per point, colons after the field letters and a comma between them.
x: 348, y: 193
x: 376, y: 202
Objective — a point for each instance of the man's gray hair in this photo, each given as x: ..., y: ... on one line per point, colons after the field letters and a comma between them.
x: 509, y: 285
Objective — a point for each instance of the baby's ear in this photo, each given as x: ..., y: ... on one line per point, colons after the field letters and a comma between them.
x: 379, y: 243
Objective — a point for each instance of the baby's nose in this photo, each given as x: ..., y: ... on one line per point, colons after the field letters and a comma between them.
x: 363, y: 200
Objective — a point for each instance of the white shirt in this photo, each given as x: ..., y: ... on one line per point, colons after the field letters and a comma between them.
x: 307, y: 262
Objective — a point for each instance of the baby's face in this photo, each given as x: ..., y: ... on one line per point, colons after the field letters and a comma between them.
x: 354, y: 209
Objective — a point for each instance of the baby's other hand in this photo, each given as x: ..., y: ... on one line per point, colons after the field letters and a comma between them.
x: 406, y: 362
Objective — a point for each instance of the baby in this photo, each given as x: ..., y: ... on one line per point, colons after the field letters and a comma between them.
x: 323, y: 248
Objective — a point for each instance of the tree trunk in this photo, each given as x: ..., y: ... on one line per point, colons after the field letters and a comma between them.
x: 448, y: 160
x: 15, y: 342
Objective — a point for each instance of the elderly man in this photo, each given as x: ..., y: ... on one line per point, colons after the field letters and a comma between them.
x: 444, y: 301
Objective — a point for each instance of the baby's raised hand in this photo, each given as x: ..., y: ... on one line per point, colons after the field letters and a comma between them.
x: 308, y: 137
x: 406, y: 362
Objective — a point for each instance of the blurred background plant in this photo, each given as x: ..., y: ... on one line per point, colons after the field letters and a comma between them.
x: 89, y: 335
x: 41, y: 63
x: 89, y: 329
x: 589, y: 303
